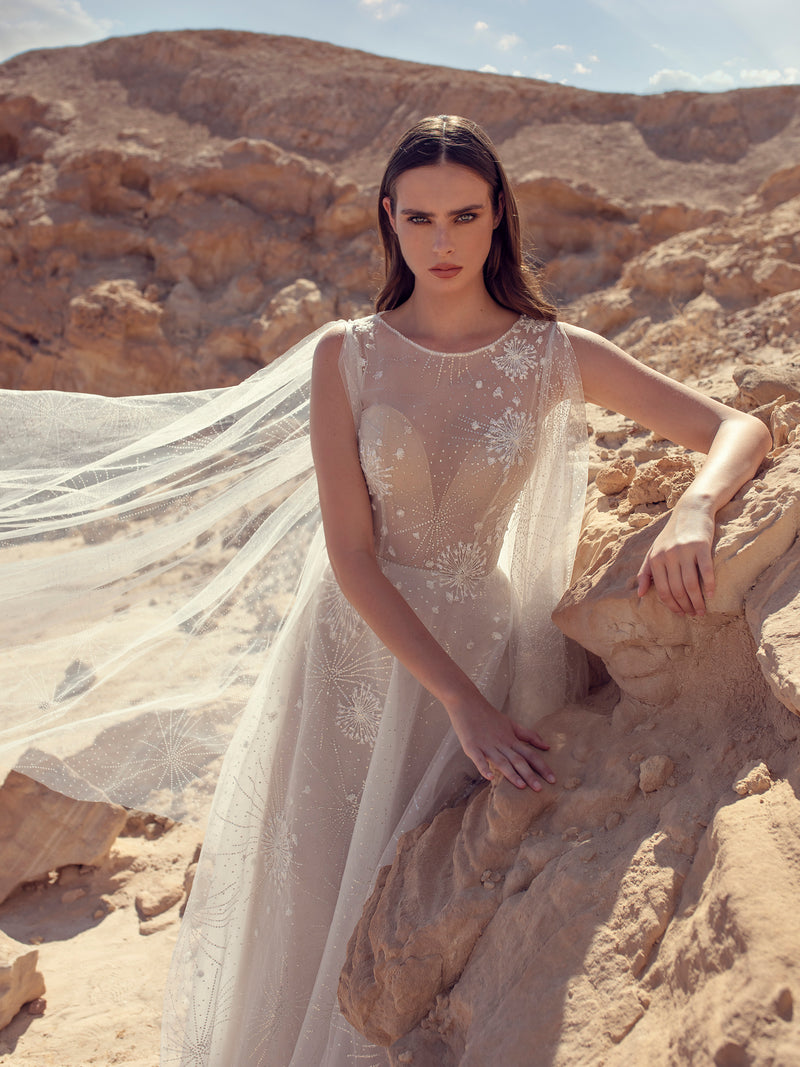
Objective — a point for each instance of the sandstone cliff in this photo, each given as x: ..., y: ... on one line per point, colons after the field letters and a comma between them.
x: 177, y: 208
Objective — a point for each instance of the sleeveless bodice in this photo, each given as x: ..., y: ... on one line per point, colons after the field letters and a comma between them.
x: 447, y: 441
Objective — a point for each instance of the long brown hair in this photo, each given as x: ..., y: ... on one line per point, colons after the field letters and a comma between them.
x: 452, y: 139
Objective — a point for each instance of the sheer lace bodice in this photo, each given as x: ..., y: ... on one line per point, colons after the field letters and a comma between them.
x: 446, y: 443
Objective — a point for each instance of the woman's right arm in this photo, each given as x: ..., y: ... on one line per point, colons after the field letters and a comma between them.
x: 486, y: 735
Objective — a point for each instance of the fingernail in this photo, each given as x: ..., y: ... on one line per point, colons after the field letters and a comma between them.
x: 551, y: 779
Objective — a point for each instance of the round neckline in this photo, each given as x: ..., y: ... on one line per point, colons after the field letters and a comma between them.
x: 433, y: 352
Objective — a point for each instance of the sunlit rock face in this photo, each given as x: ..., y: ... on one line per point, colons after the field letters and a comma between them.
x: 177, y: 209
x: 641, y: 904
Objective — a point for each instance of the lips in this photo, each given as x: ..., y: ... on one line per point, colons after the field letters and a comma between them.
x: 445, y: 270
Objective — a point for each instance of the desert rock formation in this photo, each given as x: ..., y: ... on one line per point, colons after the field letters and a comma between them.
x: 637, y: 904
x: 176, y: 209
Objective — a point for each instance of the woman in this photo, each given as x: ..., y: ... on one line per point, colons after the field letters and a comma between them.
x: 447, y: 435
x: 430, y: 422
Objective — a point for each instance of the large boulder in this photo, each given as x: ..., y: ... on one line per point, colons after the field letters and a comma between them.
x: 41, y: 830
x: 643, y: 905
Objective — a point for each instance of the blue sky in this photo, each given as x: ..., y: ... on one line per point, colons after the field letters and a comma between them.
x: 638, y: 46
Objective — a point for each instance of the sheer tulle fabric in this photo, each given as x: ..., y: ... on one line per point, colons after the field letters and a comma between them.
x: 144, y: 584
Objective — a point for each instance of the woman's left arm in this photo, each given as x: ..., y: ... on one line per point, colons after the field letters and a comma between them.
x: 679, y: 562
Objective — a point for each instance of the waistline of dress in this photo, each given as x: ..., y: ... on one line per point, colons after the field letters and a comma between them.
x: 459, y: 582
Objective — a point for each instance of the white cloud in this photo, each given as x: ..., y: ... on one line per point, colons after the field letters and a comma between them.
x: 787, y: 76
x: 26, y: 24
x: 543, y: 77
x: 481, y: 27
x: 487, y: 68
x: 593, y: 58
x: 516, y: 73
x: 716, y: 81
x: 384, y: 9
x: 562, y: 47
x: 580, y: 69
x: 508, y: 41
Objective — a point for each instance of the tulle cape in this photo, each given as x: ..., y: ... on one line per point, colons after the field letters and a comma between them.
x: 152, y: 548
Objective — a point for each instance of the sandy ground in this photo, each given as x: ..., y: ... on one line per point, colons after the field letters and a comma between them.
x: 104, y: 967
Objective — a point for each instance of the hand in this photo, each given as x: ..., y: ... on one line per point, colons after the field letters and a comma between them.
x: 493, y: 740
x: 679, y: 562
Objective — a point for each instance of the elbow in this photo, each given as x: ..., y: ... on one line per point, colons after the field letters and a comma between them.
x: 351, y: 567
x: 762, y: 438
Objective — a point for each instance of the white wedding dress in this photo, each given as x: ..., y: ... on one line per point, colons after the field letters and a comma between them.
x: 165, y: 599
x: 341, y: 748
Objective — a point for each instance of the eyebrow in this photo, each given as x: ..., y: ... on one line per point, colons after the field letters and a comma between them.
x: 460, y: 211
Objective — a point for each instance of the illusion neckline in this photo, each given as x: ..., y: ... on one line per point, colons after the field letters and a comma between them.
x: 433, y: 352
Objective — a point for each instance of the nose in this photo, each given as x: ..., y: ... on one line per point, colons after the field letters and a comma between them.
x: 443, y: 240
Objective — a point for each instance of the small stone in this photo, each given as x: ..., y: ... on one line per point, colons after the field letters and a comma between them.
x: 157, y: 924
x: 784, y: 1004
x: 570, y: 834
x: 405, y: 1057
x: 618, y: 476
x: 72, y: 895
x: 150, y: 903
x: 37, y: 1006
x: 572, y: 783
x: 754, y: 778
x: 613, y: 819
x: 654, y: 772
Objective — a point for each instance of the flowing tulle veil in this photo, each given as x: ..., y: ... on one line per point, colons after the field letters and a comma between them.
x: 149, y: 549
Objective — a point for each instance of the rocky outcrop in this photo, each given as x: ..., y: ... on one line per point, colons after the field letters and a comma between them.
x: 20, y: 982
x: 177, y: 209
x: 41, y: 830
x: 630, y: 904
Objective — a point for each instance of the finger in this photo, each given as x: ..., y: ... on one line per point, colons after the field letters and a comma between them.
x: 528, y: 764
x: 482, y: 764
x: 531, y: 736
x: 691, y: 583
x: 664, y: 588
x: 644, y: 577
x: 515, y: 771
x: 530, y: 754
x: 706, y: 567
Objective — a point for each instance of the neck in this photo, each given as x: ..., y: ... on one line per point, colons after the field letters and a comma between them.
x: 447, y: 320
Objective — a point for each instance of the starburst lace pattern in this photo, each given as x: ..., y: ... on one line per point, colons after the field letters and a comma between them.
x: 460, y: 568
x: 277, y: 847
x: 517, y: 358
x: 359, y: 717
x: 510, y: 437
x: 376, y: 472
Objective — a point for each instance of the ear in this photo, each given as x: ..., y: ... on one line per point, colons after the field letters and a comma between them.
x: 387, y: 207
x: 501, y: 207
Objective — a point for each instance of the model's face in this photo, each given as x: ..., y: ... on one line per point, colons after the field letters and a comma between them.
x: 443, y: 219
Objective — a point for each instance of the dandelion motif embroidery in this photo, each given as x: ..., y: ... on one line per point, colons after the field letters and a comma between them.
x: 511, y: 437
x: 277, y: 847
x: 379, y: 476
x: 516, y: 359
x: 460, y: 568
x: 340, y: 615
x: 359, y: 718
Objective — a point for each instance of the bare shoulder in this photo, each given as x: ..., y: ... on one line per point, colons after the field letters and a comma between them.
x: 329, y: 346
x: 587, y: 343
